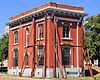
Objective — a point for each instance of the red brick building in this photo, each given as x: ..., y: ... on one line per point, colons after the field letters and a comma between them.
x: 47, y: 41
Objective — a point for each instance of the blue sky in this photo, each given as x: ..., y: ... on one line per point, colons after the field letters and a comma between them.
x: 12, y: 7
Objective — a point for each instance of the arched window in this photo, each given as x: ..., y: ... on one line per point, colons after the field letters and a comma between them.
x: 16, y: 37
x: 15, y: 57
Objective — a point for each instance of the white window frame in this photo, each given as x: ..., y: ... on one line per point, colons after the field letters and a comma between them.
x: 15, y: 57
x: 37, y: 25
x: 17, y: 37
x: 69, y: 31
x: 26, y: 26
x: 69, y: 57
x: 28, y: 59
x: 41, y: 47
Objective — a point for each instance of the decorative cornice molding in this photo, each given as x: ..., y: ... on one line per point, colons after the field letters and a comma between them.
x: 47, y: 12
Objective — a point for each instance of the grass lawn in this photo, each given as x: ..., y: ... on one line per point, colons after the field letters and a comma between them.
x: 89, y: 78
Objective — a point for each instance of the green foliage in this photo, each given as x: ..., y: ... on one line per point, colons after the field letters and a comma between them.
x: 0, y: 54
x: 92, y: 36
x: 4, y: 46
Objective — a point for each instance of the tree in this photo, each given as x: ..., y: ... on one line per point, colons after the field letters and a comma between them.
x: 4, y: 47
x: 92, y: 37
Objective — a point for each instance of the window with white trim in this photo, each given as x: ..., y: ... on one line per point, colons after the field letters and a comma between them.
x: 15, y: 57
x: 66, y: 29
x: 66, y: 55
x: 40, y: 56
x: 26, y: 44
x: 26, y: 59
x: 27, y: 37
x: 16, y: 37
x: 40, y: 31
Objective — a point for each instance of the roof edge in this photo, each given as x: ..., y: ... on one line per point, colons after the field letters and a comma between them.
x: 46, y: 5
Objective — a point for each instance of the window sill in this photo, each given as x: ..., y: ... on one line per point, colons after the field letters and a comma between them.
x: 16, y: 44
x: 66, y: 38
x: 40, y: 39
x: 26, y: 47
x: 27, y: 66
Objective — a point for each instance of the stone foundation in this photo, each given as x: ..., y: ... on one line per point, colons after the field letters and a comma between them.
x: 39, y: 72
x: 15, y: 71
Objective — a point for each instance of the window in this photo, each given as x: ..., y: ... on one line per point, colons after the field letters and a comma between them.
x: 15, y: 56
x: 26, y: 59
x: 66, y: 31
x: 40, y: 56
x: 16, y: 37
x: 66, y: 55
x: 40, y: 31
x: 27, y: 36
x: 26, y: 44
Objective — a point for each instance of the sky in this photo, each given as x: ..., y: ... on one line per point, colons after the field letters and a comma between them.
x: 12, y: 7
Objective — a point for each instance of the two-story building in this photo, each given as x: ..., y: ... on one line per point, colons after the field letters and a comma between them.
x: 47, y: 41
